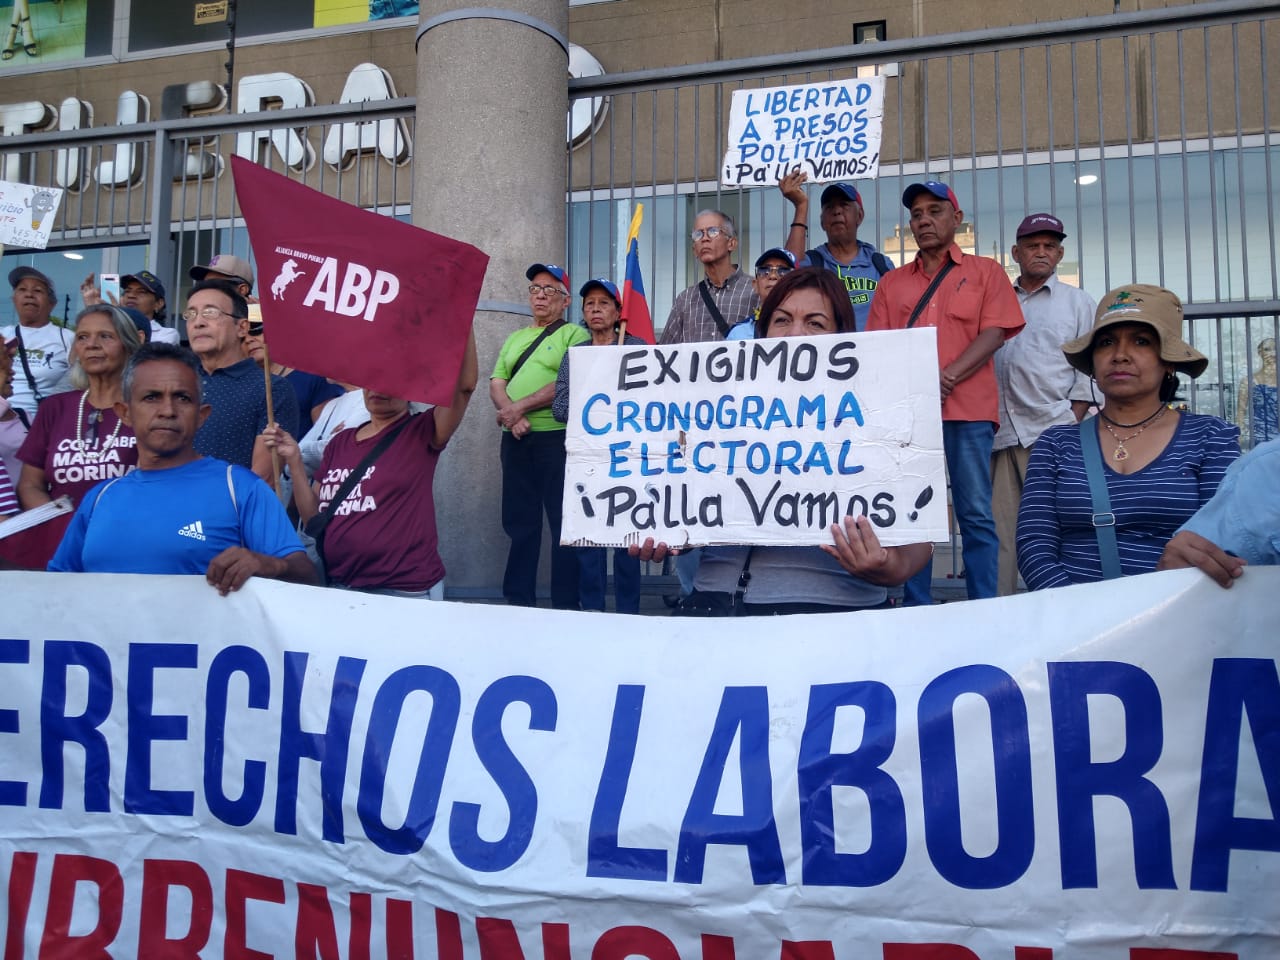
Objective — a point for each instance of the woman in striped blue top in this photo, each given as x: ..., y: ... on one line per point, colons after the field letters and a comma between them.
x: 1160, y: 465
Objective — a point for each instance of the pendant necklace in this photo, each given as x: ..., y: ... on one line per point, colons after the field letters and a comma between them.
x: 95, y: 417
x: 1120, y: 452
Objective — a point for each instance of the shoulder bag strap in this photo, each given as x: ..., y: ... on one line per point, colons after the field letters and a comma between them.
x: 1104, y: 521
x: 528, y: 351
x: 704, y: 288
x: 928, y: 294
x: 26, y: 367
x: 316, y: 526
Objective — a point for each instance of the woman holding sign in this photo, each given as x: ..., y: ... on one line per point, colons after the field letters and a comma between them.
x: 1102, y: 499
x: 854, y: 571
x: 602, y: 313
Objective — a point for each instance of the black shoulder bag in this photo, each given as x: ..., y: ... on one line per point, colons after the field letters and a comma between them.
x: 929, y: 292
x: 705, y: 289
x: 316, y: 526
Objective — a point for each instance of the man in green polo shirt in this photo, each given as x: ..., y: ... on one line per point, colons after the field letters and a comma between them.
x: 522, y: 388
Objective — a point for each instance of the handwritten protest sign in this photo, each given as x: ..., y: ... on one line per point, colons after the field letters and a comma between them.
x: 756, y: 441
x: 26, y: 214
x: 297, y: 772
x: 831, y: 131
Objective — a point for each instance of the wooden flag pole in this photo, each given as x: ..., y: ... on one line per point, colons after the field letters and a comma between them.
x: 271, y: 411
x: 622, y: 333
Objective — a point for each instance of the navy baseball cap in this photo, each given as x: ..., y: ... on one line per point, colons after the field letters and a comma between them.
x: 776, y: 253
x: 18, y: 274
x: 1041, y: 223
x: 140, y: 320
x: 147, y: 279
x: 558, y: 272
x: 935, y: 187
x: 600, y: 283
x: 838, y: 192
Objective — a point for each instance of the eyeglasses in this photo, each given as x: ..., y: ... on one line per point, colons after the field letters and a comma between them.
x: 548, y: 289
x: 206, y: 313
x: 709, y: 232
x: 763, y: 272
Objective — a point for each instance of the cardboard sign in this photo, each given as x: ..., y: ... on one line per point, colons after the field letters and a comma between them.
x: 829, y: 130
x: 755, y: 441
x: 27, y: 214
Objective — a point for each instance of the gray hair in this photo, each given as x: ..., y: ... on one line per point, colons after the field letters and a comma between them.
x: 152, y: 352
x: 729, y: 226
x: 125, y: 329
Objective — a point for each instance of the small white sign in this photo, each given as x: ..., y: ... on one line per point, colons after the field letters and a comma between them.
x: 831, y: 131
x: 756, y: 441
x: 27, y: 214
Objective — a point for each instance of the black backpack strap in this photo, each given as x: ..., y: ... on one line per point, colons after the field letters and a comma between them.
x: 317, y: 524
x: 814, y: 257
x: 928, y: 294
x: 880, y: 262
x: 704, y: 288
x: 26, y: 367
x: 537, y: 342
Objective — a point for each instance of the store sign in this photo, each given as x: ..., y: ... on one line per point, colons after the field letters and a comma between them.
x: 211, y: 12
x: 291, y: 146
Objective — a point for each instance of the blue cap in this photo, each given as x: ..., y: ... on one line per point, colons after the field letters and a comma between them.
x: 608, y: 286
x: 935, y: 187
x: 838, y: 192
x: 558, y: 272
x: 776, y: 253
x: 148, y: 280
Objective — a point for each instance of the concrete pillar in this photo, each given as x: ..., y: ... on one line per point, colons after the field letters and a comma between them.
x: 489, y: 168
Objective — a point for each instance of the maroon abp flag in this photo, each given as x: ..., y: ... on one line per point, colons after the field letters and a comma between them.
x: 356, y: 296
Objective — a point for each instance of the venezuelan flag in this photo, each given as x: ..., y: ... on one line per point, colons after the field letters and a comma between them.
x: 635, y: 308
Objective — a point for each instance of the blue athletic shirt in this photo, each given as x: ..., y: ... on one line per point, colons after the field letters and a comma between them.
x: 173, y: 521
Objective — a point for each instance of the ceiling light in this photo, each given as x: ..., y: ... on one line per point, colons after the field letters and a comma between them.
x: 73, y: 256
x: 1087, y: 179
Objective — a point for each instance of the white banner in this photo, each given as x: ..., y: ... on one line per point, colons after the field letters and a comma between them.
x: 1078, y: 774
x: 829, y: 130
x: 756, y: 441
x: 27, y: 214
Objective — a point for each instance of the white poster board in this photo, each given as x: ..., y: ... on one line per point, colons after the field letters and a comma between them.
x: 755, y: 441
x: 27, y: 214
x: 829, y: 130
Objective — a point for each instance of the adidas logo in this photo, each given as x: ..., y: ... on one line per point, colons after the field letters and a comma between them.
x: 193, y: 530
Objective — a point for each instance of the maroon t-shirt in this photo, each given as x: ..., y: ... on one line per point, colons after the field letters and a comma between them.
x: 72, y: 467
x: 384, y: 533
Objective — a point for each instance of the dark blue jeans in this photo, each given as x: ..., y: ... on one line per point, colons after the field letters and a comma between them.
x: 967, y: 444
x: 594, y: 578
x: 533, y: 483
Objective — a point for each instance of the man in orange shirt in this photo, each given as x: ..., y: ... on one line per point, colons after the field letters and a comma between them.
x: 971, y: 303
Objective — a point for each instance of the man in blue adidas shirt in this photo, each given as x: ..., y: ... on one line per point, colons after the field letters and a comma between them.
x: 857, y: 264
x: 179, y: 512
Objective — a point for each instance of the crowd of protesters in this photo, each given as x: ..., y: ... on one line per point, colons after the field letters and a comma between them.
x: 1063, y: 447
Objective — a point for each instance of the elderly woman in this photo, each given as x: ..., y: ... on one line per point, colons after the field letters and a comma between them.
x: 1157, y: 466
x: 854, y: 571
x: 77, y: 439
x: 602, y: 313
x: 40, y: 348
x: 380, y: 535
x: 14, y: 422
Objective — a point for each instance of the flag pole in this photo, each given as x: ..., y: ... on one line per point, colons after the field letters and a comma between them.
x: 271, y: 411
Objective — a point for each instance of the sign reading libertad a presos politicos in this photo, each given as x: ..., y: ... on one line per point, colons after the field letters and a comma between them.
x: 830, y: 130
x: 755, y: 441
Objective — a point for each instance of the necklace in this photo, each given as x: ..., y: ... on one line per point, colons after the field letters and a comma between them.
x: 95, y: 417
x: 1120, y: 452
x: 1129, y: 426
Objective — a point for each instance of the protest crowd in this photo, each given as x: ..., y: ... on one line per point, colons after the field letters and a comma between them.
x: 1067, y: 459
